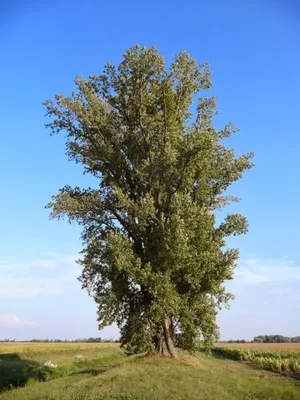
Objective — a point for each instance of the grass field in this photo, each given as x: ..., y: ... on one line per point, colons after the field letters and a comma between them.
x: 29, y: 347
x: 103, y: 372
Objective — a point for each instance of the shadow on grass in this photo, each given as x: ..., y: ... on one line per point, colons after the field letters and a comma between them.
x: 87, y: 370
x: 96, y: 371
x: 16, y: 372
x: 92, y: 371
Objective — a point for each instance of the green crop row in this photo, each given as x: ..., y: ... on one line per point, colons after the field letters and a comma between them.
x: 276, y: 361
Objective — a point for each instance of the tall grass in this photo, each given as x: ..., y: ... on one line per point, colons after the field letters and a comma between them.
x: 275, y: 361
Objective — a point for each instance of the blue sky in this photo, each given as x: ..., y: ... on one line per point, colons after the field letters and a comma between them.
x: 253, y: 50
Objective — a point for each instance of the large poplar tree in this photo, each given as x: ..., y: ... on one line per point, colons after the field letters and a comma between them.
x: 154, y: 259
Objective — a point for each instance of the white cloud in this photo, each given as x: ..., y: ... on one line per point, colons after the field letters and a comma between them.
x: 53, y: 262
x: 11, y: 320
x: 40, y: 277
x: 267, y: 298
x: 256, y: 271
x: 34, y: 287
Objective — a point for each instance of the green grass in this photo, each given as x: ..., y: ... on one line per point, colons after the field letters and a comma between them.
x: 108, y: 373
x: 23, y: 367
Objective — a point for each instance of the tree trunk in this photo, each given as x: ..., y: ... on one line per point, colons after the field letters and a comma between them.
x: 165, y: 344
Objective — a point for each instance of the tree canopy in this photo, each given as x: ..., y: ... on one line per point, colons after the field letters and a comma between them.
x: 154, y: 259
x: 276, y: 339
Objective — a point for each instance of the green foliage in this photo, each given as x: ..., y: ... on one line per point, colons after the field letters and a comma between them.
x: 275, y: 339
x: 16, y: 371
x: 153, y: 258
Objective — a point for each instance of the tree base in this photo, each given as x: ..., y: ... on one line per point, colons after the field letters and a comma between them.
x: 156, y: 354
x: 164, y: 344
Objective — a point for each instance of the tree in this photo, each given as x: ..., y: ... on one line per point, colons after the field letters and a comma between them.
x: 272, y: 339
x: 259, y: 339
x: 153, y: 259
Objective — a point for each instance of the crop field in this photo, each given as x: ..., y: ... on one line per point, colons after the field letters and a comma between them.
x: 276, y: 357
x: 105, y: 372
x: 28, y: 347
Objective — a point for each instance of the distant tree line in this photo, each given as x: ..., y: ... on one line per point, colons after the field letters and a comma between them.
x: 266, y: 339
x: 85, y: 340
x: 237, y: 341
x: 276, y: 339
x: 257, y: 339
